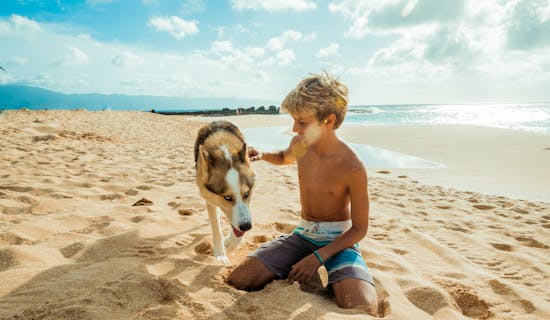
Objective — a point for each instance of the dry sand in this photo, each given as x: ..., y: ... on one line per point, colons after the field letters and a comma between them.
x: 73, y: 246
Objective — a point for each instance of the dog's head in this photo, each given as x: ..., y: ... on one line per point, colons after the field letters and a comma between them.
x: 225, y: 178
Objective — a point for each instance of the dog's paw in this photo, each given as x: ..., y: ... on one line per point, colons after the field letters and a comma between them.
x: 223, y: 259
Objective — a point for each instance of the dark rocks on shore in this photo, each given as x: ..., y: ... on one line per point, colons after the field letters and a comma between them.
x: 224, y: 112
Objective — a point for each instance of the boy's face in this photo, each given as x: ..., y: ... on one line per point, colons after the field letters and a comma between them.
x: 307, y: 127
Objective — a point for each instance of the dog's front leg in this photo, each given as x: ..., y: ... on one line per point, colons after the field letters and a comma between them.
x: 219, y: 249
x: 232, y: 242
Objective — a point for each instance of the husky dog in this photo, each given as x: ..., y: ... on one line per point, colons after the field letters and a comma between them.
x: 225, y: 180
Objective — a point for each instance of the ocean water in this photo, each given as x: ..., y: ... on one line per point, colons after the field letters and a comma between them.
x: 532, y: 117
x: 278, y: 138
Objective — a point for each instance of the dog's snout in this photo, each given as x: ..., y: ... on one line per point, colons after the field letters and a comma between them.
x: 245, y: 226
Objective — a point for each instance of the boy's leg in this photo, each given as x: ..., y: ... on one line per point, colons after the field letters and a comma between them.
x: 356, y: 293
x: 351, y: 281
x: 272, y: 260
x: 250, y: 275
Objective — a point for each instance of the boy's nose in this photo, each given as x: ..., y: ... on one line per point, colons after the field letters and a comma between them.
x: 295, y: 127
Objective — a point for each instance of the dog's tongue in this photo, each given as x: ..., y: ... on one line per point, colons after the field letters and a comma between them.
x: 238, y: 233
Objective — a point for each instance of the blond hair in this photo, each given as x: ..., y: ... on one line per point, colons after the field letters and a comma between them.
x: 320, y: 95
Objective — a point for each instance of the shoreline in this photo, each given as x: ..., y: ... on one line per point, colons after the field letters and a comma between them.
x: 493, y: 161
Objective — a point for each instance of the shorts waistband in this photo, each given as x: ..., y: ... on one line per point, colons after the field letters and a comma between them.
x: 321, y: 233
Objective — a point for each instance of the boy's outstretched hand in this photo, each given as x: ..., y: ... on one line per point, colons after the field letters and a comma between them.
x: 304, y: 270
x: 254, y: 154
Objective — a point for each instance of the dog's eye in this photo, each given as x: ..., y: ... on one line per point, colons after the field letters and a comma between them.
x: 245, y: 195
x: 228, y: 198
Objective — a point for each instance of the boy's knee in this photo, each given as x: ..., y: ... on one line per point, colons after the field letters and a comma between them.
x: 369, y: 307
x: 361, y: 301
x: 242, y: 281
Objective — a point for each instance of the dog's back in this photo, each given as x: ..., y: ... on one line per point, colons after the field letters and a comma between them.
x: 216, y: 127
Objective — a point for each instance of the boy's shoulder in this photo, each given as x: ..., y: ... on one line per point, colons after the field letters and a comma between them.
x: 353, y: 161
x: 349, y: 158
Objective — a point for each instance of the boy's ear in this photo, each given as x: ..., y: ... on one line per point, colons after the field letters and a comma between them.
x: 330, y: 119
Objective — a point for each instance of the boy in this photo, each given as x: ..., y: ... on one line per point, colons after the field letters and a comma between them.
x: 332, y: 179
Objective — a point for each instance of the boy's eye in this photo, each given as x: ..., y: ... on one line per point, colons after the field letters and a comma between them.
x: 228, y: 198
x: 245, y: 195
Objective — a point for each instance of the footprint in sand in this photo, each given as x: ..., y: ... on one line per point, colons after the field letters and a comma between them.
x: 173, y: 204
x: 261, y: 238
x: 509, y: 294
x: 428, y: 299
x: 520, y: 211
x: 400, y: 251
x: 137, y: 219
x: 532, y: 243
x: 483, y: 207
x: 186, y: 212
x: 467, y: 300
x: 143, y: 202
x: 284, y: 227
x: 69, y: 251
x: 7, y: 259
x: 17, y: 188
x: 204, y: 247
x: 144, y: 187
x: 503, y: 246
x: 13, y: 239
x: 131, y: 192
x: 97, y: 224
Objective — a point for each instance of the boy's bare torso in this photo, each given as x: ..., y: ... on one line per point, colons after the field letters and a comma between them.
x: 324, y: 187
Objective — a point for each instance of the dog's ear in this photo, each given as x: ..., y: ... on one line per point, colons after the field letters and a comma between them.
x: 206, y: 156
x: 243, y: 153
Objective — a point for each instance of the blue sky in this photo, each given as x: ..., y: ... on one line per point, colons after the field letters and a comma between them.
x: 386, y: 51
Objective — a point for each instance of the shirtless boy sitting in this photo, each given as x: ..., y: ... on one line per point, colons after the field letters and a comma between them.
x: 334, y: 199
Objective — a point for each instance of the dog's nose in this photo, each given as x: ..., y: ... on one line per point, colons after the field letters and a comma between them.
x: 245, y: 226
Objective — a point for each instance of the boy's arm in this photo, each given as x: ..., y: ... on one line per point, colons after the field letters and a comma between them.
x: 281, y: 157
x: 304, y: 270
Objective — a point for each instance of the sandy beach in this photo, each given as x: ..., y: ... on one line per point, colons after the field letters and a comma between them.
x: 467, y: 241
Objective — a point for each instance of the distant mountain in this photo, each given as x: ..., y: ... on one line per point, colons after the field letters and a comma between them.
x: 17, y: 96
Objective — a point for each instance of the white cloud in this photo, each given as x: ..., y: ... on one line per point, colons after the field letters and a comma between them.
x: 24, y: 23
x: 127, y: 59
x: 193, y: 6
x: 528, y: 24
x: 222, y: 46
x: 543, y: 12
x: 330, y: 51
x: 387, y: 16
x: 176, y: 26
x: 452, y: 46
x: 279, y: 43
x: 285, y: 57
x: 19, y: 61
x: 75, y: 57
x: 19, y: 24
x: 274, y: 5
